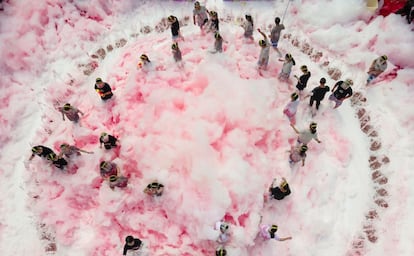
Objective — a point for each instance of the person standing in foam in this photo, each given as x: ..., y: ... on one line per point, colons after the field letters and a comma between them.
x: 200, y: 15
x: 268, y: 232
x: 291, y: 108
x: 264, y: 51
x: 248, y: 27
x: 305, y: 136
x: 224, y: 235
x: 275, y: 35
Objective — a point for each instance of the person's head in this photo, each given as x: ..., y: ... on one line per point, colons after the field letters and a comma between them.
x: 384, y: 58
x: 304, y: 69
x: 197, y: 5
x: 213, y: 14
x: 283, y: 185
x: 217, y: 35
x: 249, y: 18
x: 313, y: 126
x: 64, y: 146
x: 349, y: 82
x: 103, y: 164
x: 113, y: 178
x: 152, y: 188
x: 174, y: 46
x: 52, y: 157
x: 66, y: 107
x: 277, y: 20
x: 129, y: 240
x: 288, y: 56
x: 272, y: 231
x: 144, y: 58
x: 37, y: 149
x: 224, y: 227
x: 171, y: 19
x: 98, y: 80
x: 322, y: 82
x: 303, y: 149
x: 104, y: 136
x: 221, y: 252
x: 294, y: 96
x: 262, y: 43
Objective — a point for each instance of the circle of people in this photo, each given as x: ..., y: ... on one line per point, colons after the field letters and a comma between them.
x: 209, y: 23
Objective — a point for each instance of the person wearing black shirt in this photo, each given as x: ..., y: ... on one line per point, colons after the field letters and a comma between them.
x: 303, y: 79
x: 280, y: 192
x: 318, y: 93
x: 154, y: 189
x: 107, y: 140
x: 131, y: 244
x: 57, y: 161
x: 103, y: 89
x: 41, y: 151
x: 175, y: 27
x: 341, y: 91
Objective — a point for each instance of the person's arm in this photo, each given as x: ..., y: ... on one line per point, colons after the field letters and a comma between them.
x: 80, y: 112
x: 31, y: 157
x: 284, y: 238
x: 303, y: 161
x: 333, y: 89
x: 194, y: 19
x: 263, y: 34
x: 63, y: 115
x: 294, y: 128
x: 317, y: 140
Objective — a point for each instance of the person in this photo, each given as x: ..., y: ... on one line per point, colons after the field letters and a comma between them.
x: 1, y: 5
x: 221, y: 251
x: 200, y: 14
x: 305, y: 136
x: 318, y: 93
x: 303, y: 79
x: 275, y: 35
x: 264, y: 51
x: 224, y: 235
x: 407, y: 10
x: 108, y: 169
x: 107, y: 140
x: 341, y: 91
x: 103, y: 89
x: 144, y: 61
x: 298, y: 154
x: 69, y: 150
x: 214, y: 22
x: 57, y: 161
x: 288, y: 63
x: 378, y: 66
x: 154, y: 189
x: 117, y: 181
x: 281, y: 191
x: 248, y: 27
x: 218, y: 43
x: 132, y: 245
x: 176, y: 52
x: 268, y: 232
x: 175, y: 28
x: 291, y: 108
x: 40, y: 151
x: 70, y: 112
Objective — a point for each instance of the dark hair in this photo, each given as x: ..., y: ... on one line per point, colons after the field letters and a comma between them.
x: 277, y: 20
x: 323, y: 80
x: 249, y: 18
x: 129, y: 239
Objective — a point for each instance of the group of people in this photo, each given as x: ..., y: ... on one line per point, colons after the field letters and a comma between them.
x: 208, y: 22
